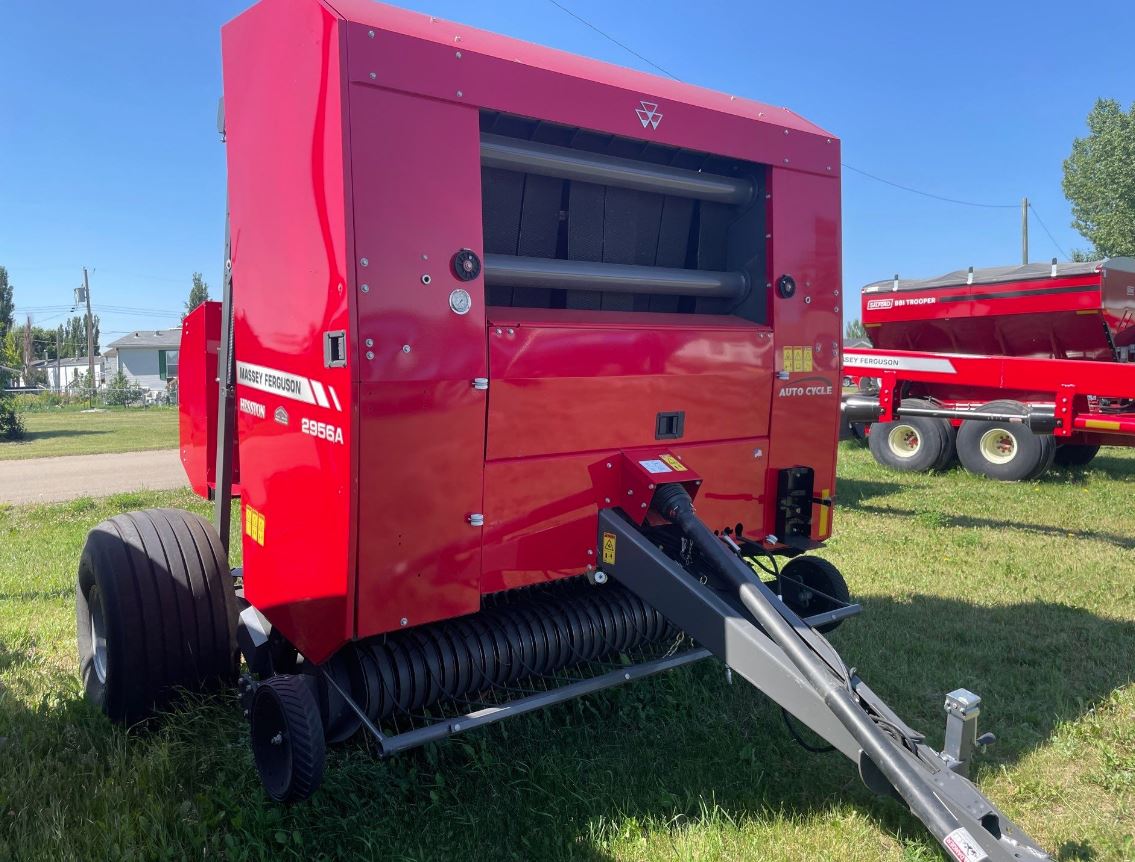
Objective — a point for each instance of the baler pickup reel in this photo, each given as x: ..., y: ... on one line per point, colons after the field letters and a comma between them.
x: 729, y: 610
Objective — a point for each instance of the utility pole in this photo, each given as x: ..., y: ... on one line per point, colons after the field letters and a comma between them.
x: 1024, y: 230
x: 58, y: 351
x: 91, y: 336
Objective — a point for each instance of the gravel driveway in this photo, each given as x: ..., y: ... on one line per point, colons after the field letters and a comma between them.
x: 47, y: 480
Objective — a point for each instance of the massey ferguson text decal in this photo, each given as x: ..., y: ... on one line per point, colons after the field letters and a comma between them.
x: 856, y: 359
x: 287, y: 385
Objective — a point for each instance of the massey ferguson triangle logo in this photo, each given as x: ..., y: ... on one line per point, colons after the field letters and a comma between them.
x: 648, y: 114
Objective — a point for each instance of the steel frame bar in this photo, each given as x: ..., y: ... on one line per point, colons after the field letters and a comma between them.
x: 548, y: 160
x: 505, y: 270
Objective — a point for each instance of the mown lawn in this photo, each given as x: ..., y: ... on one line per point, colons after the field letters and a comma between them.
x: 1023, y: 593
x: 73, y: 432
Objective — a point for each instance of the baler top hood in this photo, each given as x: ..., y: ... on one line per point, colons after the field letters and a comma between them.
x: 473, y: 41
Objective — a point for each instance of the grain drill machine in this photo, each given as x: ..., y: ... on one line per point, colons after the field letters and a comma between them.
x: 1008, y: 369
x: 527, y: 377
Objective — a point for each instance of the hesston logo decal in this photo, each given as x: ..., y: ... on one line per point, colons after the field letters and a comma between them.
x: 806, y: 387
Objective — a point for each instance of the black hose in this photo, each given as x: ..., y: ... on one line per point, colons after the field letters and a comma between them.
x: 783, y: 627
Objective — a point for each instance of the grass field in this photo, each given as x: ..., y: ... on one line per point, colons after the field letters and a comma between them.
x: 1024, y: 593
x: 72, y: 432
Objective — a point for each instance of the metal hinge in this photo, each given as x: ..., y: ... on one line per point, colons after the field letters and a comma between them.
x: 477, y: 519
x: 480, y: 383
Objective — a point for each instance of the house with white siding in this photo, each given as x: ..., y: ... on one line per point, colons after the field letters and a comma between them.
x: 147, y: 357
x: 68, y: 372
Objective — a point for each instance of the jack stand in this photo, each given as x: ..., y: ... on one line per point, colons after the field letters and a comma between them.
x: 962, y: 709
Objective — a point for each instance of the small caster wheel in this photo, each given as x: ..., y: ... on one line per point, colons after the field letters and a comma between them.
x: 812, y: 586
x: 287, y: 738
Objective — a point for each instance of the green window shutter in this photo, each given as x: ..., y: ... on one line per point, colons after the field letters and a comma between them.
x: 162, y: 364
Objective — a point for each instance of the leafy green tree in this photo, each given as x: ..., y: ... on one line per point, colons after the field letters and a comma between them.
x: 75, y: 336
x: 7, y: 305
x: 198, y: 294
x: 1099, y: 180
x: 11, y: 426
x: 853, y: 329
x: 122, y: 392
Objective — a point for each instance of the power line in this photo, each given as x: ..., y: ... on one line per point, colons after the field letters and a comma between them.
x: 1047, y: 231
x: 879, y: 179
x: 929, y: 194
x: 611, y: 38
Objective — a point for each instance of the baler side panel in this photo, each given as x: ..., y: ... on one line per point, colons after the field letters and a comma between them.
x: 572, y: 389
x: 284, y: 109
x: 804, y: 426
x: 417, y: 190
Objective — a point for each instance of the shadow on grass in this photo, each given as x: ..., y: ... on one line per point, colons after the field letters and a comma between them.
x: 32, y: 436
x: 610, y: 771
x: 971, y: 522
x: 852, y: 492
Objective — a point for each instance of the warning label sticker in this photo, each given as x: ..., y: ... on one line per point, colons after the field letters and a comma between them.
x: 675, y: 463
x: 654, y: 466
x: 797, y: 358
x: 963, y: 848
x: 609, y: 548
x: 254, y: 525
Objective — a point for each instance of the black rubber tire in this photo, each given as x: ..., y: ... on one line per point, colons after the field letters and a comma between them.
x: 931, y: 446
x: 1034, y: 453
x: 950, y: 434
x: 287, y: 737
x: 158, y: 583
x: 800, y: 576
x: 1075, y: 455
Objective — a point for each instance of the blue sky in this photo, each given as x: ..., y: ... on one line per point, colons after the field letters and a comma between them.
x: 109, y: 155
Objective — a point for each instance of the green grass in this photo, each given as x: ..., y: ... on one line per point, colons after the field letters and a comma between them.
x: 71, y: 432
x: 1024, y: 593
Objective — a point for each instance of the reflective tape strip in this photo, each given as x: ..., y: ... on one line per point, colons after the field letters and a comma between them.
x: 335, y: 398
x: 320, y: 394
x: 1102, y: 424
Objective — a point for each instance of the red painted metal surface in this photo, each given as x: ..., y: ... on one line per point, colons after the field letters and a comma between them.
x: 288, y: 199
x: 355, y: 173
x: 1073, y: 386
x: 197, y: 395
x: 804, y: 426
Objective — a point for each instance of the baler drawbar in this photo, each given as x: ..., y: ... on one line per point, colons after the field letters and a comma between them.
x: 479, y: 354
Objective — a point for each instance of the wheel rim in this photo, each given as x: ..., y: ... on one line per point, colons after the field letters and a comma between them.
x: 998, y: 446
x: 904, y: 441
x: 98, y: 633
x: 271, y: 744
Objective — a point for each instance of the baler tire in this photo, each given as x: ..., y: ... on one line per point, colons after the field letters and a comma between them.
x: 155, y: 612
x: 287, y: 738
x: 929, y: 443
x: 1032, y: 453
x: 818, y: 574
x: 1075, y: 455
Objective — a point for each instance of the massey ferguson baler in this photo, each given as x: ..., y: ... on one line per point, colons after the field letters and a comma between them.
x: 1008, y: 369
x: 528, y: 387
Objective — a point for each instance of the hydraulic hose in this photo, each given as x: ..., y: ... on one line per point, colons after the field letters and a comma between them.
x: 780, y: 623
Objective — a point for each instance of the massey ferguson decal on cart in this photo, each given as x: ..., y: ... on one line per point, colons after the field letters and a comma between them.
x: 483, y: 504
x: 1008, y: 370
